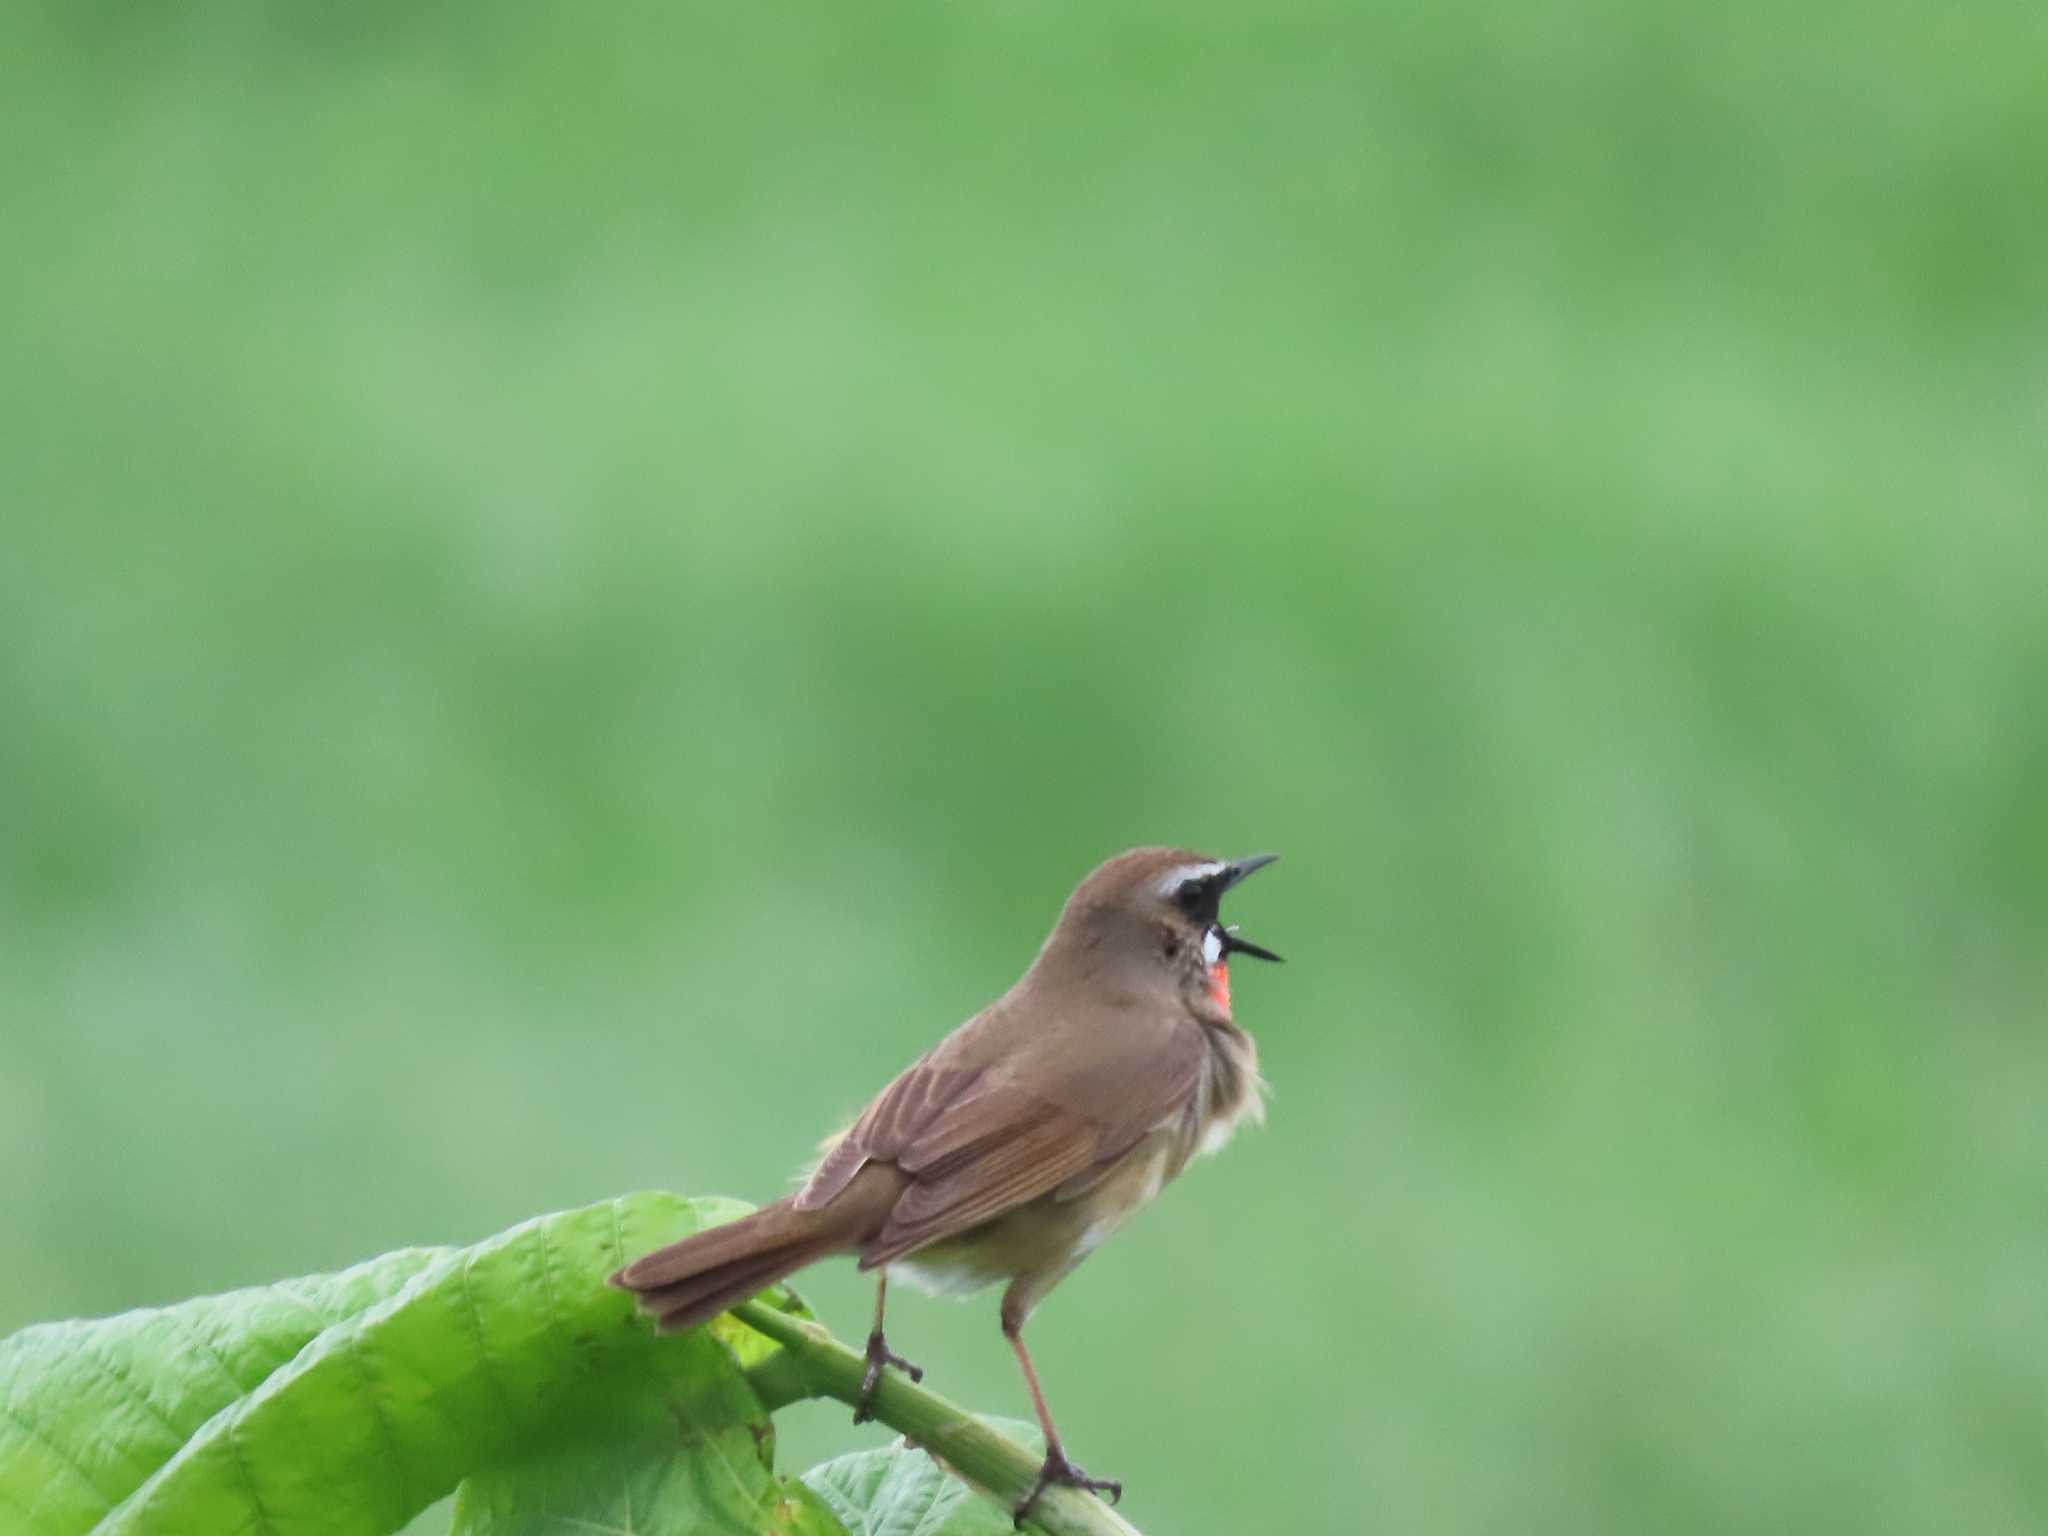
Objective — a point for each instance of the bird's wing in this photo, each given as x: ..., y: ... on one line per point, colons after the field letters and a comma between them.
x: 898, y: 1115
x: 980, y: 1140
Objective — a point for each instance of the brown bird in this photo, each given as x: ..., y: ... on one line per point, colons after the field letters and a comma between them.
x: 1021, y: 1141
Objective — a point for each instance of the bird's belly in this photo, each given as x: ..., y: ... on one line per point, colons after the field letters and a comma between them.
x: 1048, y: 1236
x: 955, y: 1268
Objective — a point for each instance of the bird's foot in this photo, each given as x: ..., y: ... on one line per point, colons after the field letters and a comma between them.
x: 880, y: 1355
x: 1058, y: 1470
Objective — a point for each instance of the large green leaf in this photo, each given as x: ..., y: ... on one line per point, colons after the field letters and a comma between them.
x: 901, y: 1491
x: 348, y: 1403
x: 707, y: 1472
x: 641, y: 1457
x: 89, y: 1410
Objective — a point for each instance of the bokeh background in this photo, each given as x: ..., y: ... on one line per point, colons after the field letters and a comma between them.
x: 579, y: 584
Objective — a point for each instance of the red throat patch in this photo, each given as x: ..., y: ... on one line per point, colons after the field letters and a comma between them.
x: 1219, y: 985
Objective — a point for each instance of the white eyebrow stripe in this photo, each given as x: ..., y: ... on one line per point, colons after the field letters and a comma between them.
x: 1176, y: 878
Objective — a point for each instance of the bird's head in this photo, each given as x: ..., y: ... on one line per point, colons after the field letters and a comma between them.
x: 1154, y: 914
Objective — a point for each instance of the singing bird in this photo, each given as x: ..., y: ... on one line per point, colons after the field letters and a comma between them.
x: 1022, y: 1140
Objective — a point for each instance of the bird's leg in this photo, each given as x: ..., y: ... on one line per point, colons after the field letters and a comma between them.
x: 1057, y: 1469
x: 879, y: 1355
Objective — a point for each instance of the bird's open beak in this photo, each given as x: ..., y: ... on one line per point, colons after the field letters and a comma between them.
x: 1235, y: 871
x: 1233, y: 945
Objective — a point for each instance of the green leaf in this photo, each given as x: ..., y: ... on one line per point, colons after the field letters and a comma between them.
x: 695, y: 1461
x: 348, y: 1403
x: 690, y: 1482
x: 901, y: 1491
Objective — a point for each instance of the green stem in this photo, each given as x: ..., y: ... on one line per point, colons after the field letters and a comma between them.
x: 811, y: 1363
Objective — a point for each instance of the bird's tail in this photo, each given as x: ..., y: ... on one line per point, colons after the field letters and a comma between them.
x: 694, y: 1280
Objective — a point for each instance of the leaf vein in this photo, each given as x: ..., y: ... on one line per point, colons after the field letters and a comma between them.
x: 924, y: 1521
x: 547, y: 1270
x: 725, y: 1464
x: 376, y: 1402
x: 483, y: 1353
x: 29, y: 1428
x: 130, y: 1388
x: 200, y: 1336
x: 241, y: 1455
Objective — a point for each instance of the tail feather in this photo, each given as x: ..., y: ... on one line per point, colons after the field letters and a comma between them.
x: 692, y: 1281
x: 772, y: 1227
x: 700, y: 1298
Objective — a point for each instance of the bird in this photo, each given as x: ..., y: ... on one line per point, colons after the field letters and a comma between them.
x: 1018, y: 1144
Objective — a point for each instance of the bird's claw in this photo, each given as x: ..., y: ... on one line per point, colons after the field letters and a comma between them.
x: 879, y: 1355
x: 1059, y: 1470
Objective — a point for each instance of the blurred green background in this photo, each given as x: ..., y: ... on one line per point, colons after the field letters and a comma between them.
x: 580, y: 584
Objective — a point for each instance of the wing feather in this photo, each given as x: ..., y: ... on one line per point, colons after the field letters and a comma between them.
x: 1007, y: 1174
x: 887, y: 1126
x: 988, y: 1121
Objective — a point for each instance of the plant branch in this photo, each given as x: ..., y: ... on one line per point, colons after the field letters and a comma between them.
x: 811, y: 1363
